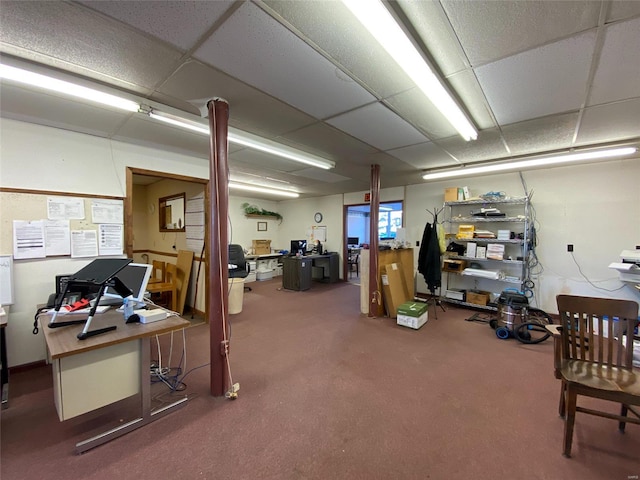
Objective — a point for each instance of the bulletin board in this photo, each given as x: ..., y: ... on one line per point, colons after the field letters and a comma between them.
x: 32, y: 206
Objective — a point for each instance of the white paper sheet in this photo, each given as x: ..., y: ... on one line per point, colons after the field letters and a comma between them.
x: 84, y: 243
x: 107, y: 211
x: 110, y: 242
x: 65, y: 208
x: 57, y: 237
x: 28, y: 239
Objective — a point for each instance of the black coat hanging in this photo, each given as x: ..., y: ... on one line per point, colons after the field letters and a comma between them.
x: 429, y: 256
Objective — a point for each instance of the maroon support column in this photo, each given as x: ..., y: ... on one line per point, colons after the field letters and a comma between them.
x: 375, y: 290
x: 218, y: 254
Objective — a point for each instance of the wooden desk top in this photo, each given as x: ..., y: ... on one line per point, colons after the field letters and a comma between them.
x: 63, y: 341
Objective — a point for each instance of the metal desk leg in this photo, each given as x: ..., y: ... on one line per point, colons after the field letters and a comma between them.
x: 147, y: 416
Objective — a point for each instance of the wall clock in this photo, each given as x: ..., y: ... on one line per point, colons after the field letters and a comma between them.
x: 317, y: 217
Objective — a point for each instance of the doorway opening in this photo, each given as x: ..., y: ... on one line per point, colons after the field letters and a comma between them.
x: 357, y: 232
x: 148, y: 239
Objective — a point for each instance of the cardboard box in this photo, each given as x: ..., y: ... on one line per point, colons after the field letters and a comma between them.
x: 413, y: 314
x: 394, y: 288
x: 453, y: 194
x: 478, y: 297
x: 261, y: 247
x: 450, y: 265
x: 456, y: 294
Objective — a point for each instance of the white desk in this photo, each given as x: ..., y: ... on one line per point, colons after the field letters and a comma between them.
x: 89, y: 374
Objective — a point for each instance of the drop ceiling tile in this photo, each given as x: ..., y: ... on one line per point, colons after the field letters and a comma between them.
x: 466, y: 85
x: 376, y: 125
x: 424, y: 156
x: 179, y: 23
x: 50, y: 31
x: 487, y: 146
x: 59, y: 111
x: 331, y: 143
x: 541, y: 134
x: 336, y: 32
x: 547, y: 80
x: 195, y: 83
x: 143, y: 130
x: 618, y: 73
x: 609, y: 123
x: 413, y: 106
x: 256, y: 49
x: 435, y: 31
x: 621, y: 9
x: 515, y: 26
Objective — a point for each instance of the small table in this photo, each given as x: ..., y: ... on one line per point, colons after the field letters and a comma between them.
x: 89, y: 374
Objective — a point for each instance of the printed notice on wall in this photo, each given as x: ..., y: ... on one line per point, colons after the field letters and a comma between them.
x: 107, y: 211
x: 84, y: 243
x: 65, y: 208
x: 110, y: 241
x: 57, y: 237
x: 28, y: 239
x: 194, y: 223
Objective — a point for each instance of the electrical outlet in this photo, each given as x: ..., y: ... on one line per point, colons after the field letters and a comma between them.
x: 570, y: 247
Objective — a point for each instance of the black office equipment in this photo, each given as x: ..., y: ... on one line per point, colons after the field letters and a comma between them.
x: 236, y: 257
x: 353, y: 241
x: 298, y: 246
x: 102, y: 273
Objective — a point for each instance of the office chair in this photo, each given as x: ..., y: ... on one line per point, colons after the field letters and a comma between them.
x: 236, y: 257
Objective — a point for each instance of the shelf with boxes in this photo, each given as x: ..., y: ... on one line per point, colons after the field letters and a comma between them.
x: 488, y: 246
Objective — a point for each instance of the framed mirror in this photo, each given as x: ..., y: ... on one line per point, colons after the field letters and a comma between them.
x: 171, y: 211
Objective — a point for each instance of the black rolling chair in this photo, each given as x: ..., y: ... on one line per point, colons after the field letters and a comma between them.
x: 236, y: 257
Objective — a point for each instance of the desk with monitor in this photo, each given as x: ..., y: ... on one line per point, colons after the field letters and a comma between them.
x: 100, y: 370
x: 299, y: 271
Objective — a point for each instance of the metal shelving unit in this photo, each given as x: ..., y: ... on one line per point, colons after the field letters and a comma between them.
x: 512, y: 270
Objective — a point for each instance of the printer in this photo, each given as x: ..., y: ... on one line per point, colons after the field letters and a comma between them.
x: 629, y: 267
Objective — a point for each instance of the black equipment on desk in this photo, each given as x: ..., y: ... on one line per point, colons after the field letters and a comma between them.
x: 101, y: 273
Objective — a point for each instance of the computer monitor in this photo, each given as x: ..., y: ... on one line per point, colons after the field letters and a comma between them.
x: 298, y: 246
x: 353, y: 241
x: 135, y: 276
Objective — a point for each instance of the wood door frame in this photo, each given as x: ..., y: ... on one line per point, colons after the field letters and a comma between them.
x: 128, y: 213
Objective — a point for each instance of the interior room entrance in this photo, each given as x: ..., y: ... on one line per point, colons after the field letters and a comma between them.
x: 156, y: 224
x: 357, y: 232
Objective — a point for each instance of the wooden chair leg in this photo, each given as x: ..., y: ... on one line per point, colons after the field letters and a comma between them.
x: 623, y: 413
x: 561, y: 404
x: 569, y: 420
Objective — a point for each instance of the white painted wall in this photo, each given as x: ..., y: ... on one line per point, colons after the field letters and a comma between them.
x: 596, y: 207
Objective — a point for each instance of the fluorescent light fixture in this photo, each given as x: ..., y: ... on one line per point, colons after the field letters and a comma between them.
x: 533, y: 162
x: 264, y: 145
x: 182, y: 123
x: 53, y: 84
x: 378, y: 20
x: 272, y: 191
x: 246, y: 139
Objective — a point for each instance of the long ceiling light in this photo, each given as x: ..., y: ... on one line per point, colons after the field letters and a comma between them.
x: 246, y: 139
x: 272, y: 191
x: 376, y: 18
x: 532, y: 163
x: 45, y: 82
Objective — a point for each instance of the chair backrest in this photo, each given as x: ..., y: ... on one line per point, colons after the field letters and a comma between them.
x: 236, y: 257
x: 598, y: 330
x: 158, y: 271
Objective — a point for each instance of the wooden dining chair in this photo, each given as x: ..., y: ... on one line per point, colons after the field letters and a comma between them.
x: 158, y: 271
x: 594, y: 358
x: 170, y: 285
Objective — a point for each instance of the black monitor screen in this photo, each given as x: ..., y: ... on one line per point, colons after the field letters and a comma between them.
x: 298, y: 246
x: 353, y: 241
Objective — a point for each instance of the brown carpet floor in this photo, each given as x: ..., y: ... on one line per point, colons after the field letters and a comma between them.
x: 328, y: 393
